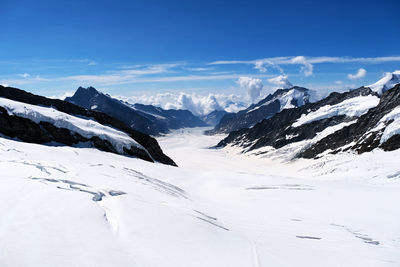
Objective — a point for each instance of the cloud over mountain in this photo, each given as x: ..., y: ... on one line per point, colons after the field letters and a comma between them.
x: 252, y: 86
x: 281, y: 81
x: 196, y: 103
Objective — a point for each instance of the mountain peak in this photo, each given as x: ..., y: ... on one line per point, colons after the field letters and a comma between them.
x: 387, y: 82
x: 90, y: 89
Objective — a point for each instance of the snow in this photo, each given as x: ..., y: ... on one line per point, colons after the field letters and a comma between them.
x: 386, y: 83
x: 290, y: 151
x: 353, y: 107
x: 394, y: 127
x: 85, y: 127
x: 289, y: 96
x: 218, y: 208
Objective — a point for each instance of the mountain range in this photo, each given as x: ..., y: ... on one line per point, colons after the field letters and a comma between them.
x: 358, y: 120
x: 147, y: 119
x: 266, y: 108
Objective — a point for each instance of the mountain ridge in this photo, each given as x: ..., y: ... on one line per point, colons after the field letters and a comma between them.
x: 145, y: 118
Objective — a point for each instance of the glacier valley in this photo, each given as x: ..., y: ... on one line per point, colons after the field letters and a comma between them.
x: 67, y: 206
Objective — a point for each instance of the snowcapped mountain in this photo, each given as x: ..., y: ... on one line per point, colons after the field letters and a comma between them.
x: 36, y: 119
x: 264, y: 109
x: 293, y: 132
x: 145, y: 118
x: 387, y: 82
x: 214, y: 117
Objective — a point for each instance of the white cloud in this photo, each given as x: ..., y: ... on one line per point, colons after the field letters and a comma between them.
x: 339, y: 82
x: 252, y: 86
x: 92, y: 63
x: 307, y: 67
x: 21, y: 81
x: 281, y: 81
x: 306, y: 62
x: 199, y: 69
x: 62, y: 96
x: 4, y: 84
x: 197, y: 104
x: 125, y: 78
x: 25, y: 75
x: 312, y: 60
x: 360, y: 74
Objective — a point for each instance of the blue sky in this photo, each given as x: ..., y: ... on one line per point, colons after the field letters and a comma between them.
x: 134, y: 47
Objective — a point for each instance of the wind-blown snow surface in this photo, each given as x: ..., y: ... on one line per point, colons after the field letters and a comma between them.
x: 63, y: 206
x: 394, y: 127
x: 353, y: 107
x: 83, y: 126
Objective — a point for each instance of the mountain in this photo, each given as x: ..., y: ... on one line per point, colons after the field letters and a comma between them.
x: 387, y: 82
x: 378, y: 128
x: 266, y: 108
x: 36, y: 119
x: 292, y: 132
x: 168, y: 119
x: 214, y: 117
x: 144, y: 118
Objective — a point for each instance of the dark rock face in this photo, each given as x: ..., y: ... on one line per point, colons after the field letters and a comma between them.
x: 275, y: 130
x: 359, y: 132
x: 264, y: 109
x: 44, y: 132
x: 214, y: 117
x: 144, y: 118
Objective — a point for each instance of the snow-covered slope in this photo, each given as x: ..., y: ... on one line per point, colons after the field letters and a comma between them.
x: 83, y: 126
x: 387, y: 82
x: 391, y: 124
x: 65, y: 206
x: 353, y: 107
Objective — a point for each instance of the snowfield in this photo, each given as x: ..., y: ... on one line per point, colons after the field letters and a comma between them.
x: 353, y: 107
x: 64, y: 206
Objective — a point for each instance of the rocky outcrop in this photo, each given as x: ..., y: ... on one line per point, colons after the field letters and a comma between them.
x: 44, y: 132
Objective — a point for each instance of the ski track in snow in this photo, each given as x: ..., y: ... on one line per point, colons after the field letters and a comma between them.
x: 218, y: 208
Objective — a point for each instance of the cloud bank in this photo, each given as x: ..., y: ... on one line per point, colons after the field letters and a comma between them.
x: 197, y: 104
x: 306, y: 63
x: 252, y: 86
